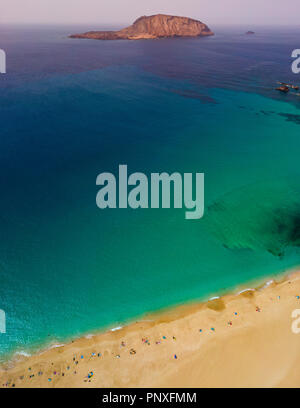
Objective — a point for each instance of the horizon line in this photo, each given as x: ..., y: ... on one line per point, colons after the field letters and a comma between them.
x: 34, y: 23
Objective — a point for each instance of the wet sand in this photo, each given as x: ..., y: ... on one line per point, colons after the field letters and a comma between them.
x: 240, y: 340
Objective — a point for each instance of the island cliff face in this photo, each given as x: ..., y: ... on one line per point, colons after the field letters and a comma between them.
x: 152, y: 27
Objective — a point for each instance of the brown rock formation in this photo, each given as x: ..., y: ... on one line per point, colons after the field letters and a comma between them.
x: 152, y: 27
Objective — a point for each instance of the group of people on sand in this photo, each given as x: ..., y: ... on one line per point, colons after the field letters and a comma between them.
x: 76, y: 361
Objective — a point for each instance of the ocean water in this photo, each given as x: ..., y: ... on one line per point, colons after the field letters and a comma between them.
x: 71, y: 109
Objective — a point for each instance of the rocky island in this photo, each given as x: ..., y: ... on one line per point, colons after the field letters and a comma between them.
x: 153, y: 27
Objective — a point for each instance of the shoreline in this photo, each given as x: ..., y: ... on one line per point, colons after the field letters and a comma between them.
x: 16, y: 356
x: 113, y: 352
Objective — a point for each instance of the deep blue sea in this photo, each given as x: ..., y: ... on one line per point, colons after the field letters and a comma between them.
x: 71, y: 109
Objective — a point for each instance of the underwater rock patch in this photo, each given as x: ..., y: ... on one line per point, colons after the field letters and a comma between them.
x: 291, y: 118
x: 257, y: 217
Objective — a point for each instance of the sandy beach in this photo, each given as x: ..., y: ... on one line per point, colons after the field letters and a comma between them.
x: 239, y: 340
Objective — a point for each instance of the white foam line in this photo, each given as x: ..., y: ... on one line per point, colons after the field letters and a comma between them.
x: 246, y: 290
x: 268, y: 283
x: 116, y: 328
x: 22, y: 353
x: 55, y: 346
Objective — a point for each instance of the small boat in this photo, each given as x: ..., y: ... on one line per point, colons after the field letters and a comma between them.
x: 291, y: 86
x: 283, y: 88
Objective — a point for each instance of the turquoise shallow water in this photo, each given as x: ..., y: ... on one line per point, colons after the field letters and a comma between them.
x: 68, y: 268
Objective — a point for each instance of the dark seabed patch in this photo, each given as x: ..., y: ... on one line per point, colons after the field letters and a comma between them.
x: 291, y: 118
x: 257, y: 217
x: 195, y: 95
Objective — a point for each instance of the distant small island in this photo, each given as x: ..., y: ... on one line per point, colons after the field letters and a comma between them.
x: 250, y: 32
x: 153, y: 27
